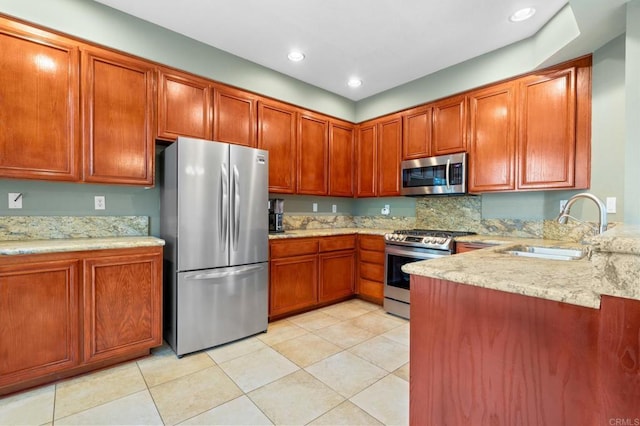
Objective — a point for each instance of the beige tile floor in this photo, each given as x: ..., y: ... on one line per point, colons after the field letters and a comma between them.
x: 346, y: 364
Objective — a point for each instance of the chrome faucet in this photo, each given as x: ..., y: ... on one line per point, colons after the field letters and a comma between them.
x: 564, y: 214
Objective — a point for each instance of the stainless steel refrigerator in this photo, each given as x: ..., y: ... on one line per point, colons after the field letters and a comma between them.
x: 214, y: 220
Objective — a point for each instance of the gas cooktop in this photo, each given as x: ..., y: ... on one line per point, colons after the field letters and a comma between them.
x: 425, y: 238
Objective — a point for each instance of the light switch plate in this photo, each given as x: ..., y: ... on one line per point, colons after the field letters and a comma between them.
x: 15, y: 200
x: 611, y: 204
x: 334, y: 208
x: 100, y: 203
x: 315, y: 207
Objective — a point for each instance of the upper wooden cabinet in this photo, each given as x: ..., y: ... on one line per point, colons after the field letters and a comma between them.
x: 313, y: 154
x: 379, y: 151
x: 235, y: 119
x: 118, y: 112
x: 341, y: 159
x: 367, y: 160
x: 277, y: 134
x: 416, y: 138
x: 39, y: 105
x: 492, y: 138
x: 532, y: 133
x: 449, y: 126
x: 389, y: 155
x: 546, y: 147
x: 184, y: 106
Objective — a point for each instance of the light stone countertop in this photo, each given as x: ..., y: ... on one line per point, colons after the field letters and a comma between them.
x: 8, y: 248
x: 326, y: 232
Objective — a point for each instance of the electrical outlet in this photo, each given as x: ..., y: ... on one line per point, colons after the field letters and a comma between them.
x: 315, y: 207
x: 562, y: 204
x: 100, y: 203
x: 334, y: 208
x: 611, y: 204
x: 15, y: 200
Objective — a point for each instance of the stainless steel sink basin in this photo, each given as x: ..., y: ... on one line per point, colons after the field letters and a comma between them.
x: 547, y: 252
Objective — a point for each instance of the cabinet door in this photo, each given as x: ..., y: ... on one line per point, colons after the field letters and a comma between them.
x: 389, y: 156
x: 184, y: 106
x: 340, y: 160
x: 118, y: 93
x: 293, y: 284
x: 122, y: 304
x: 367, y: 161
x: 235, y: 119
x: 449, y: 126
x: 337, y: 275
x: 492, y: 142
x: 547, y: 142
x: 277, y: 134
x: 416, y: 138
x: 313, y: 154
x: 39, y: 89
x: 38, y: 319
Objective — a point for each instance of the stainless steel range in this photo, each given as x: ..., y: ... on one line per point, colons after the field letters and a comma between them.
x: 406, y: 246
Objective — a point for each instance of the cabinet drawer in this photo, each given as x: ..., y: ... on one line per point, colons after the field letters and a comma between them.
x: 293, y: 247
x: 343, y: 242
x: 372, y: 256
x: 372, y: 271
x: 372, y: 242
x: 372, y: 289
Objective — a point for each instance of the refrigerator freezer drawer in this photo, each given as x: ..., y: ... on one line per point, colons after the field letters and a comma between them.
x: 220, y: 305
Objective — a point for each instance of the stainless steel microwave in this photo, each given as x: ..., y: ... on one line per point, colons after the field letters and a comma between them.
x: 441, y: 175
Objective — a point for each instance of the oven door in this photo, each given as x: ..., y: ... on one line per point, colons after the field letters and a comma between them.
x: 396, y: 282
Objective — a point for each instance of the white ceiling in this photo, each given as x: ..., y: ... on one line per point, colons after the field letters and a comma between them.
x: 383, y: 42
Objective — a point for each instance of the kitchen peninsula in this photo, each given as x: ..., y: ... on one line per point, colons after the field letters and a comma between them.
x: 503, y: 339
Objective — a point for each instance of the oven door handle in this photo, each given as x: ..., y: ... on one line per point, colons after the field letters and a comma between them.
x: 412, y: 253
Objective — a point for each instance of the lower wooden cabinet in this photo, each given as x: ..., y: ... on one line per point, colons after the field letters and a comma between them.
x: 310, y: 272
x: 62, y: 314
x: 371, y: 268
x: 465, y: 247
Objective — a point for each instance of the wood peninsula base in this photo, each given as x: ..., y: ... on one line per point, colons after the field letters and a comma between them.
x: 481, y: 356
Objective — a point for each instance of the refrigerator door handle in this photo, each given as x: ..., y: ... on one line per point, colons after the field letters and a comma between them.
x: 223, y: 225
x: 235, y: 225
x: 215, y: 275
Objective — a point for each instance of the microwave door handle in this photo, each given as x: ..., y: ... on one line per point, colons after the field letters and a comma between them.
x: 447, y: 172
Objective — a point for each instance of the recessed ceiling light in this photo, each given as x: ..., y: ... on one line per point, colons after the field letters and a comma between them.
x: 522, y: 14
x: 295, y: 56
x: 354, y: 82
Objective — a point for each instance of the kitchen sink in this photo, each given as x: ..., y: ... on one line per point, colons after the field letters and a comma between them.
x: 553, y: 253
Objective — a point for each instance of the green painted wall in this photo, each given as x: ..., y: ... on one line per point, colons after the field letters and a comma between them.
x: 632, y: 90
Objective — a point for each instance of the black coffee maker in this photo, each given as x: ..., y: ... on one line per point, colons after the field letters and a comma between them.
x: 276, y: 211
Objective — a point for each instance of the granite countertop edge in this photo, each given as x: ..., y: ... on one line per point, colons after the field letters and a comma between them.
x: 12, y: 248
x: 326, y: 232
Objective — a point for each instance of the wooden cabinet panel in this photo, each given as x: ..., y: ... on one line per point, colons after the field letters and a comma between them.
x: 118, y: 99
x: 341, y: 159
x: 492, y: 141
x: 122, y: 305
x: 371, y: 259
x: 293, y: 247
x: 184, y: 106
x: 293, y: 284
x: 277, y: 134
x: 337, y: 275
x: 367, y: 160
x: 342, y: 242
x: 416, y: 138
x: 39, y: 104
x: 38, y: 319
x: 389, y: 155
x: 313, y: 154
x: 235, y: 118
x: 538, y: 355
x: 449, y: 126
x: 465, y: 247
x: 547, y: 125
